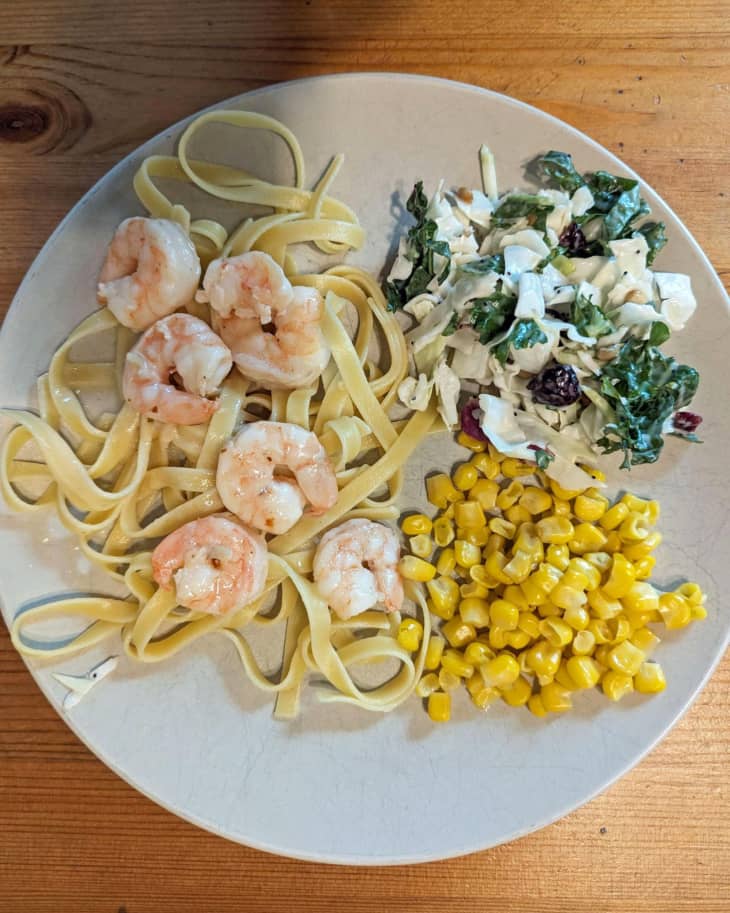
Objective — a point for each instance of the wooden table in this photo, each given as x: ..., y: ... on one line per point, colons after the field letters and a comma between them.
x: 83, y: 84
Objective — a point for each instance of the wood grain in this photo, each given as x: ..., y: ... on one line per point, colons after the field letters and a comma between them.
x: 81, y: 84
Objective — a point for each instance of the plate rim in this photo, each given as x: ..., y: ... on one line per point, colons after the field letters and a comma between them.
x: 173, y: 130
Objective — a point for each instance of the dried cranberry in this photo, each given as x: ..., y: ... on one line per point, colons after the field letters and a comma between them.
x: 470, y: 420
x: 687, y: 422
x: 555, y: 385
x: 573, y: 240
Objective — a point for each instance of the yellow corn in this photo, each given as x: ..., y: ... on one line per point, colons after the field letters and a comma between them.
x: 602, y: 606
x: 474, y: 611
x: 416, y: 525
x: 553, y: 529
x: 427, y: 685
x: 477, y: 653
x: 644, y: 567
x: 473, y: 589
x: 479, y: 575
x: 650, y: 679
x: 634, y: 551
x: 548, y: 610
x: 478, y: 537
x: 513, y: 593
x: 510, y: 495
x: 692, y: 592
x: 584, y: 671
x: 494, y: 566
x: 440, y: 490
x: 621, y: 577
x: 589, y: 509
x: 500, y: 672
x: 469, y: 515
x: 444, y: 593
x: 497, y: 638
x: 543, y: 658
x: 561, y: 508
x: 645, y: 640
x: 529, y: 623
x: 413, y: 568
x: 443, y: 531
x: 513, y: 469
x: 410, y: 634
x: 540, y: 584
x: 584, y: 643
x: 601, y: 561
x: 555, y: 698
x: 562, y: 678
x: 614, y: 543
x: 434, y: 651
x: 458, y: 632
x: 614, y: 516
x: 465, y: 475
x: 634, y: 503
x: 558, y: 556
x: 626, y: 658
x: 536, y: 706
x: 471, y: 443
x: 494, y: 453
x: 535, y: 500
x: 495, y: 543
x: 439, y: 707
x: 676, y: 611
x: 485, y: 696
x: 527, y: 540
x: 517, y: 515
x: 483, y: 463
x: 518, y: 693
x: 567, y: 494
x: 448, y: 681
x: 634, y: 528
x: 600, y: 630
x: 641, y: 597
x: 504, y: 614
x: 556, y: 632
x: 466, y: 554
x: 616, y: 685
x: 565, y: 596
x: 519, y: 566
x: 652, y: 512
x: 620, y: 628
x: 454, y: 661
x: 446, y: 562
x: 517, y: 639
x: 485, y: 492
x: 577, y: 617
x: 587, y: 538
x: 421, y: 546
x: 502, y: 527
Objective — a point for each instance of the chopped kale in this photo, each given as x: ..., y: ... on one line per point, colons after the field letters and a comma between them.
x: 523, y: 335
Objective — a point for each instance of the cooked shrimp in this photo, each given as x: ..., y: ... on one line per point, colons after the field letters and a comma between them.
x: 151, y: 269
x: 184, y: 346
x: 250, y: 486
x: 217, y: 565
x: 356, y: 568
x: 272, y: 328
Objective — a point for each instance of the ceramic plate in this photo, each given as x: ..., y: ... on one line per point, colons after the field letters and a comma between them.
x: 337, y: 784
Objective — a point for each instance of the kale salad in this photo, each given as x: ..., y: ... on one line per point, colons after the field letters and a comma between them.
x: 542, y: 309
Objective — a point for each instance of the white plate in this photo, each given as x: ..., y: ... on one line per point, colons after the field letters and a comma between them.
x: 338, y: 784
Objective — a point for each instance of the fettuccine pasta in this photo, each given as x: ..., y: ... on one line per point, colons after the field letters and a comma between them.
x: 119, y: 481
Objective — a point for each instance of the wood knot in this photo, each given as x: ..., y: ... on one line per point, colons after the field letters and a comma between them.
x: 22, y: 123
x: 39, y: 116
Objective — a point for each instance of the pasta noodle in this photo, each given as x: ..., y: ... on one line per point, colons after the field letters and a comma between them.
x: 119, y: 482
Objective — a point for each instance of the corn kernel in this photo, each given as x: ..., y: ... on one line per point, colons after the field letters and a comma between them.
x: 410, y: 634
x: 616, y: 685
x: 510, y: 495
x: 543, y: 658
x: 473, y: 590
x: 691, y: 592
x: 466, y: 554
x: 497, y: 638
x: 517, y: 639
x: 639, y: 620
x: 519, y: 567
x: 556, y: 632
x: 465, y: 475
x: 601, y: 561
x: 513, y: 469
x: 577, y: 617
x: 529, y: 623
x: 634, y: 503
x: 620, y: 628
x: 584, y: 671
x: 504, y: 614
x: 439, y: 707
x: 644, y: 567
x: 626, y: 658
x: 652, y: 512
x: 561, y: 508
x: 641, y: 597
x: 454, y: 661
x: 469, y: 515
x: 478, y: 574
x: 602, y: 606
x: 584, y: 643
x: 458, y: 632
x: 600, y: 630
x: 413, y: 568
x: 443, y: 531
x: 558, y: 556
x: 444, y: 593
x: 587, y: 538
x: 697, y: 611
x: 478, y: 537
x: 676, y: 611
x: 440, y: 490
x: 589, y: 509
x: 494, y: 453
x: 645, y: 640
x: 536, y: 706
x: 434, y: 651
x: 474, y: 611
x: 535, y: 500
x: 600, y: 654
x: 552, y: 529
x: 478, y: 652
x: 427, y: 685
x: 448, y: 512
x: 471, y: 443
x: 555, y: 698
x: 485, y: 696
x: 494, y: 566
x: 634, y: 528
x: 568, y: 597
x: 650, y: 679
x: 614, y: 543
x: 548, y: 610
x: 416, y: 525
x: 517, y: 515
x: 448, y: 681
x: 614, y: 516
x: 621, y: 577
x: 540, y: 584
x: 518, y: 693
x: 502, y: 527
x: 485, y: 492
x: 563, y: 678
x: 446, y: 562
x: 496, y: 543
x: 483, y: 463
x: 513, y: 593
x: 567, y: 494
x: 421, y: 546
x: 500, y: 672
